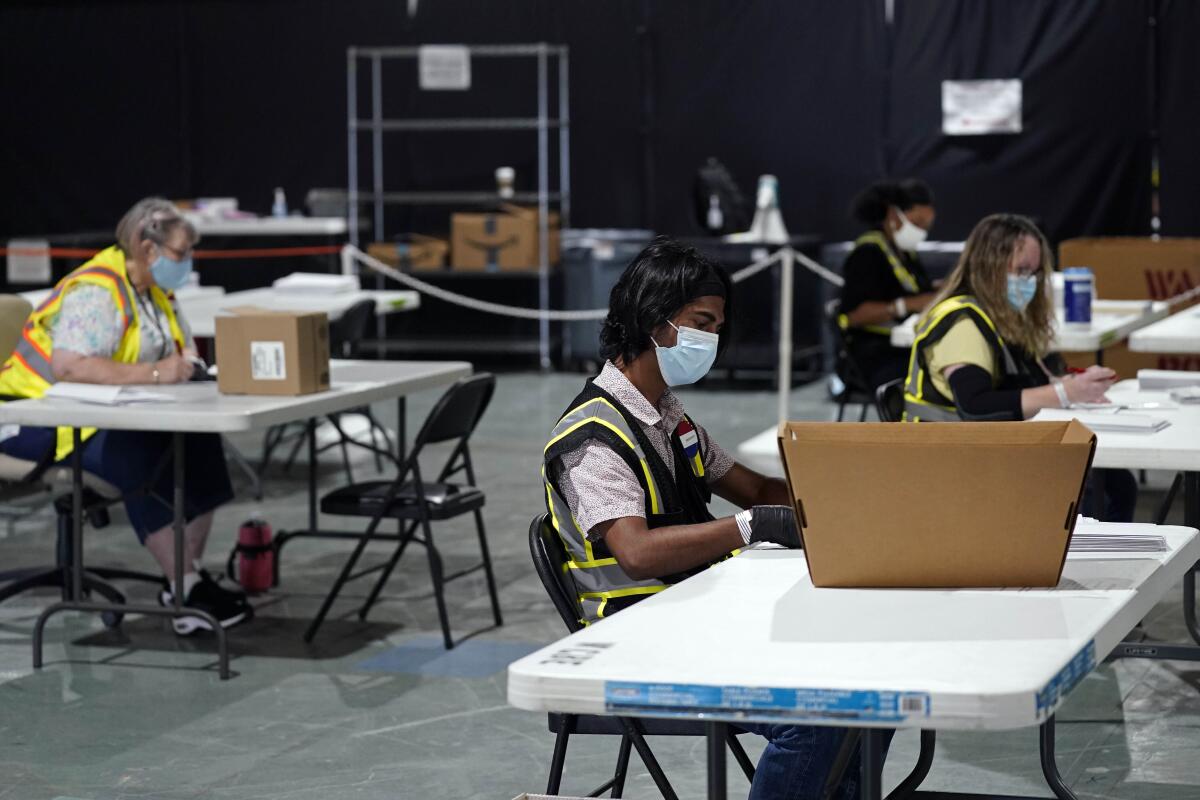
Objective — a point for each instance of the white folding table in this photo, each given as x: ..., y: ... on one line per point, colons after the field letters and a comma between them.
x: 1175, y: 448
x: 201, y: 312
x: 751, y: 639
x: 202, y: 304
x: 200, y: 408
x: 1112, y: 322
x: 1178, y: 333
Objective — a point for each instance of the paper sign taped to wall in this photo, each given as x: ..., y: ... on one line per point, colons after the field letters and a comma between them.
x: 972, y: 108
x: 443, y: 66
x: 29, y: 261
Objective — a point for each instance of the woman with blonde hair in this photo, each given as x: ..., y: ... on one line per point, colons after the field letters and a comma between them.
x: 982, y: 347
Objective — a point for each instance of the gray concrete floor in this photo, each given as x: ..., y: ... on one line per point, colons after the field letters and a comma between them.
x: 138, y: 713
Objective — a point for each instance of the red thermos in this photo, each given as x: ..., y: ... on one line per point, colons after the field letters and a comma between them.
x: 256, y: 556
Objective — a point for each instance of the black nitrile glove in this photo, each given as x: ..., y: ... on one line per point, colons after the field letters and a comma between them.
x: 775, y: 524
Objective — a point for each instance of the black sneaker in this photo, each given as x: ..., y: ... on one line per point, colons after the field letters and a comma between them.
x: 229, y: 608
x: 166, y: 599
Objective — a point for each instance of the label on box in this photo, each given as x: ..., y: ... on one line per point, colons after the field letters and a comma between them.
x: 267, y: 361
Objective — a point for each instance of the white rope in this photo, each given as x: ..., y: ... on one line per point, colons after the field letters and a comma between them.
x: 821, y: 271
x: 1183, y: 297
x: 528, y: 313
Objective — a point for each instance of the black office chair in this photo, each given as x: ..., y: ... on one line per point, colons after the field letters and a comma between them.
x: 550, y: 560
x: 345, y: 334
x: 21, y: 479
x: 414, y: 503
x: 855, y: 388
x: 889, y: 400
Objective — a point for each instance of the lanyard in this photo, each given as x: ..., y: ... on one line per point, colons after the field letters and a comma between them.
x: 165, y: 347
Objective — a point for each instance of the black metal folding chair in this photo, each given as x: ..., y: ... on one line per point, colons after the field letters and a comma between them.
x: 889, y: 400
x: 550, y: 560
x: 414, y: 503
x: 854, y: 382
x: 345, y: 333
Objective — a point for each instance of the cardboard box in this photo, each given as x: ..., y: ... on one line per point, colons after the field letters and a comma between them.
x: 978, y: 504
x: 421, y: 253
x: 1128, y: 268
x: 272, y: 352
x: 506, y: 240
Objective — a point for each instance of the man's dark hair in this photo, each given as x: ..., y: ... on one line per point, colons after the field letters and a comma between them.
x: 871, y: 205
x: 661, y: 280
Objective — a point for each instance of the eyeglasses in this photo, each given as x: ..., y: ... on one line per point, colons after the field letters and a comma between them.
x: 176, y: 255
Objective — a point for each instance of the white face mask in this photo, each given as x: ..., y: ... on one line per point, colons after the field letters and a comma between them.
x: 908, y: 236
x: 689, y: 359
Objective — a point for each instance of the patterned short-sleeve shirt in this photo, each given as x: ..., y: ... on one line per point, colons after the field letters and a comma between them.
x: 89, y: 323
x: 597, y: 483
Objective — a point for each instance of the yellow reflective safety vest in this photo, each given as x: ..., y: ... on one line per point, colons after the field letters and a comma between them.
x: 923, y: 402
x: 602, y: 586
x: 903, y: 274
x: 27, y: 371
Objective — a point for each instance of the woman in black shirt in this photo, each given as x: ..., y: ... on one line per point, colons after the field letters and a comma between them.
x: 884, y: 280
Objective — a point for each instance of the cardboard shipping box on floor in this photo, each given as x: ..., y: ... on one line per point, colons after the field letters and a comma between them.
x: 936, y: 505
x: 500, y: 241
x: 1131, y: 268
x: 272, y: 352
x: 421, y: 253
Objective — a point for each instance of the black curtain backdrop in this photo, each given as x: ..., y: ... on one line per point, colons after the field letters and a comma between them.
x: 107, y: 101
x: 1178, y: 121
x: 1081, y: 164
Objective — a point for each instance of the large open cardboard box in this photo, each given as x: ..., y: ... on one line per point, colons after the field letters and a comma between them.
x: 981, y: 504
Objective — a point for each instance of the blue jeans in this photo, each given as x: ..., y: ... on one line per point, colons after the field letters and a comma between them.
x: 797, y: 760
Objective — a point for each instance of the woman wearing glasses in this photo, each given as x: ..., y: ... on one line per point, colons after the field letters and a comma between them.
x: 114, y: 320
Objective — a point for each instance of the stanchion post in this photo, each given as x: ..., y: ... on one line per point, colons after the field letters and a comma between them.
x: 786, y: 283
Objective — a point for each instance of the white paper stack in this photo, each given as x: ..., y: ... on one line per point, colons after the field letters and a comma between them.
x: 1186, y: 394
x: 106, y: 395
x: 1111, y: 543
x: 1114, y: 421
x: 1166, y: 378
x: 317, y: 283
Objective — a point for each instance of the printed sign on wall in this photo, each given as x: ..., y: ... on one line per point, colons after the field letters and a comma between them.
x: 444, y: 66
x: 972, y: 108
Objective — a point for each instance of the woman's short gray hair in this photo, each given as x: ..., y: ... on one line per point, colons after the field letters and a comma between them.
x: 151, y: 218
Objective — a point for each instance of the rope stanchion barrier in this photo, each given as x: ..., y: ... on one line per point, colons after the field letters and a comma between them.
x: 1183, y: 297
x: 501, y: 309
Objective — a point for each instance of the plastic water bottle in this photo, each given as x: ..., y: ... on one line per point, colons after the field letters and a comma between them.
x: 279, y: 207
x: 716, y: 218
x: 1078, y: 288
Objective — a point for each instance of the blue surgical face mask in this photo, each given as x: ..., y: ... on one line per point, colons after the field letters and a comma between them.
x: 690, y: 359
x: 170, y: 274
x: 1021, y: 290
